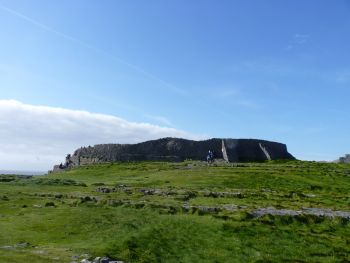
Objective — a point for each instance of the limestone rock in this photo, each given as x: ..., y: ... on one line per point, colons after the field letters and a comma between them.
x: 176, y: 149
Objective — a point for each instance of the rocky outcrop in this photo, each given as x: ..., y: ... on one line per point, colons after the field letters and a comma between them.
x: 318, y: 212
x: 345, y: 159
x: 176, y: 149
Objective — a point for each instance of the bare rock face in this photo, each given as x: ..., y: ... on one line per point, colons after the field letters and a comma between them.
x: 176, y: 150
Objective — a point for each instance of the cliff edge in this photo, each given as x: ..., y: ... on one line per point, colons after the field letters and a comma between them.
x: 177, y: 149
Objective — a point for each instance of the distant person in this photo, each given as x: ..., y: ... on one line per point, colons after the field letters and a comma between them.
x: 210, y: 157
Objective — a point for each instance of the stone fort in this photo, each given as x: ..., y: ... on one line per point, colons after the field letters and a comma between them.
x: 176, y: 150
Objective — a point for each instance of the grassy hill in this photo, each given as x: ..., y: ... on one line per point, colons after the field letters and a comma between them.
x: 179, y: 212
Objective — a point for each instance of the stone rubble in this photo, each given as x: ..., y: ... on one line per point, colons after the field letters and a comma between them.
x: 223, y: 194
x: 319, y: 212
x: 105, y: 190
x: 100, y: 260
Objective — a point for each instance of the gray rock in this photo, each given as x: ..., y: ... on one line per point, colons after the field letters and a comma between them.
x: 324, y: 212
x: 223, y: 194
x: 186, y: 207
x: 7, y: 247
x: 273, y: 211
x: 176, y: 149
x: 105, y: 260
x: 209, y: 209
x: 309, y: 195
x: 319, y: 212
x: 23, y: 245
x: 105, y: 190
x: 229, y: 207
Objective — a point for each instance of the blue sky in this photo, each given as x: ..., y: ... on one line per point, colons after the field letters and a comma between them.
x: 275, y: 70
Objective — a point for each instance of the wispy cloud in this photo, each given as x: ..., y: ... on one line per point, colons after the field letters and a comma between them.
x: 160, y: 119
x: 247, y: 104
x: 297, y: 39
x: 300, y: 38
x: 233, y: 95
x: 261, y: 66
x: 167, y: 85
x: 226, y: 93
x: 36, y: 137
x: 343, y: 77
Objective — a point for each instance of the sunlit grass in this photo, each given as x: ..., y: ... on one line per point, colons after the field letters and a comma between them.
x: 62, y: 215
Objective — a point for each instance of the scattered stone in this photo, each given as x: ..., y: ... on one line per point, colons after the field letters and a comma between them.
x: 276, y: 212
x: 186, y: 207
x: 104, y: 260
x: 230, y: 207
x: 319, y: 212
x: 5, y: 198
x: 37, y: 206
x: 23, y: 245
x: 324, y: 212
x: 40, y: 252
x: 50, y: 204
x: 7, y: 247
x: 58, y: 196
x: 208, y: 209
x: 87, y: 199
x: 223, y: 194
x: 309, y: 195
x: 151, y: 191
x: 101, y: 260
x: 105, y: 190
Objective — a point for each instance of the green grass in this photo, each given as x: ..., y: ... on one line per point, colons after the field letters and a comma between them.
x: 62, y: 215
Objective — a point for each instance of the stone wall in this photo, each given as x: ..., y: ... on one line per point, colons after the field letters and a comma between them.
x: 176, y: 149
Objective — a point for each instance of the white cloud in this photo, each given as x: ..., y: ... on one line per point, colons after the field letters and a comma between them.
x: 37, y: 137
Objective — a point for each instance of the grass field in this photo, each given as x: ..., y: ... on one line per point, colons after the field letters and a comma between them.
x: 177, y: 212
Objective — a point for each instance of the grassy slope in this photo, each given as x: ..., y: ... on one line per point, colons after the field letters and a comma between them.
x: 134, y: 227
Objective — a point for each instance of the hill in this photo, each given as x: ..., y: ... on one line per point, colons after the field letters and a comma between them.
x: 275, y: 211
x: 177, y: 149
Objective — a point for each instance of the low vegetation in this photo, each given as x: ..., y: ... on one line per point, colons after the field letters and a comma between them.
x: 179, y: 212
